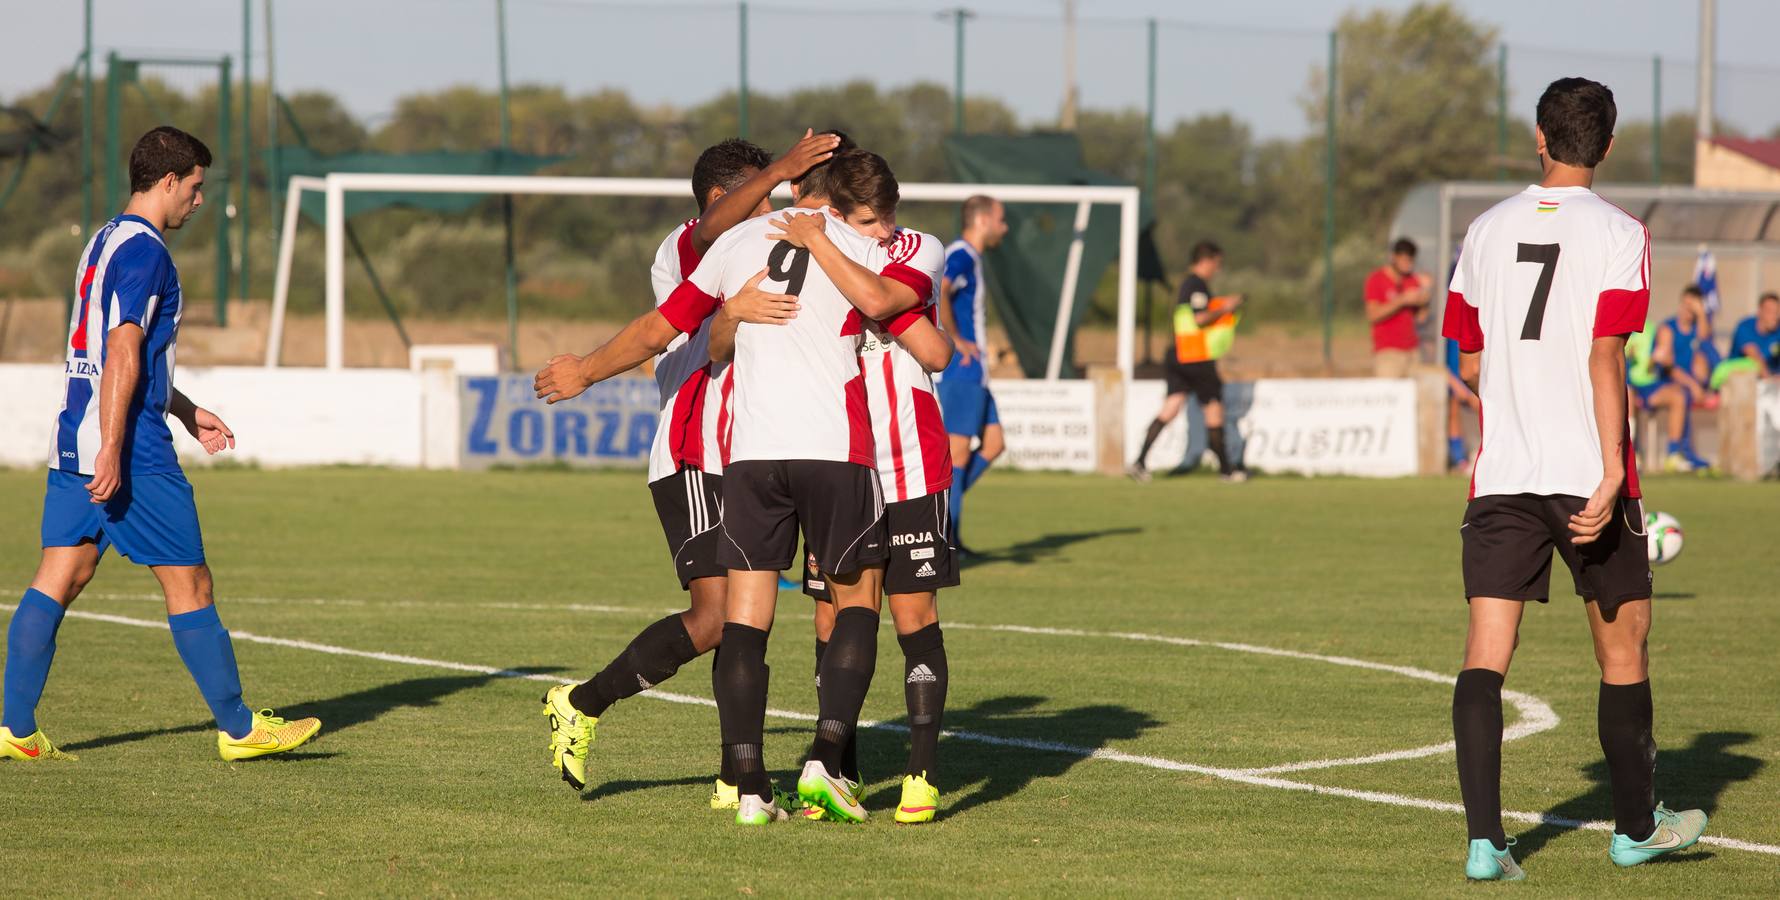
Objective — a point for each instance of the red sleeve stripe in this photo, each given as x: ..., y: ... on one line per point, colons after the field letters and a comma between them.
x: 1461, y: 323
x: 688, y: 307
x: 917, y: 280
x: 688, y: 253
x: 1619, y: 313
x: 903, y: 320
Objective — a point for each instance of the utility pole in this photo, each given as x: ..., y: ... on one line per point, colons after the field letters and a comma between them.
x: 1067, y: 120
x: 958, y: 16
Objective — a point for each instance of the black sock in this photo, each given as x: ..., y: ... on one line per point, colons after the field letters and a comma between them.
x: 1149, y: 440
x: 1214, y: 437
x: 726, y: 769
x: 850, y: 755
x: 1623, y: 717
x: 1477, y: 729
x: 847, y: 666
x: 653, y: 657
x: 739, y: 683
x: 924, y: 687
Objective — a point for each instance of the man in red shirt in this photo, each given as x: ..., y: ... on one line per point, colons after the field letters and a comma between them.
x: 1396, y: 299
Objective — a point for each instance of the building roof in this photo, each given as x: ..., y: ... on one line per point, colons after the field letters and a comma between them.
x: 1765, y: 151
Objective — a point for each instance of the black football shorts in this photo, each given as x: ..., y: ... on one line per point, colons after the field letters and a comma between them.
x: 690, y: 505
x: 922, y: 558
x: 839, y: 506
x: 1508, y: 541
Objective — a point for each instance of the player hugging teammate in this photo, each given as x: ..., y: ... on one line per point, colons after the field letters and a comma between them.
x: 809, y: 437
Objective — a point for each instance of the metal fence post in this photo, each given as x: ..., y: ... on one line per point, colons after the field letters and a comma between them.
x: 1329, y: 211
x: 224, y: 112
x: 742, y: 70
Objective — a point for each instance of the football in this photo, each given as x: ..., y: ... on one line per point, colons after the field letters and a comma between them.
x: 1664, y: 538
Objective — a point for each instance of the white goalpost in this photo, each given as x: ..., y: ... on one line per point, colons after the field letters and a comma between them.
x: 334, y: 187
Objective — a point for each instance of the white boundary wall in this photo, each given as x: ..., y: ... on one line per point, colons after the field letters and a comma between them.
x: 408, y: 418
x: 281, y: 417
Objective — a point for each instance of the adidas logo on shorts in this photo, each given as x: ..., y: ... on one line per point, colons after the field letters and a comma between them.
x: 926, y: 571
x: 920, y: 673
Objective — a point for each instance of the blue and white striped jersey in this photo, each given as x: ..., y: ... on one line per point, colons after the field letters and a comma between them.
x: 970, y: 295
x: 125, y: 275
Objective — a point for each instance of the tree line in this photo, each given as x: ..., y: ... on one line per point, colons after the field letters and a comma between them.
x: 1416, y: 101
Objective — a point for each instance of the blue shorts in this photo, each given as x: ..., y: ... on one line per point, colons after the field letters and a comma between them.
x: 966, y: 406
x: 152, y: 519
x: 1648, y: 391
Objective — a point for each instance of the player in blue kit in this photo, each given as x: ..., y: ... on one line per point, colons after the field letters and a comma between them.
x: 965, y: 402
x: 114, y: 480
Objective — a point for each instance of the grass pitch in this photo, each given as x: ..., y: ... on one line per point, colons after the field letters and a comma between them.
x: 434, y: 779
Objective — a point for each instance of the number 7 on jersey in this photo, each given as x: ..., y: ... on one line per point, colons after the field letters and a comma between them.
x: 1546, y: 255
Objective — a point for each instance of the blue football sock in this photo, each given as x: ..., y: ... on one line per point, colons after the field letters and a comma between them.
x: 974, y: 470
x: 955, y: 502
x: 1455, y: 449
x: 30, y: 646
x: 204, y: 646
x: 1676, y: 446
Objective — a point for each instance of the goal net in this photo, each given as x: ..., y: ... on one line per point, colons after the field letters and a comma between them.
x: 335, y: 187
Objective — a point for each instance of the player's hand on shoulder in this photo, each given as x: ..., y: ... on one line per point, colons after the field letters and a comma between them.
x: 560, y: 379
x: 107, y: 474
x: 751, y: 304
x: 798, y: 229
x: 811, y: 150
x: 211, y: 432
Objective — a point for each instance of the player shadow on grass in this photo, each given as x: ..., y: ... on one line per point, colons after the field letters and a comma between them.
x: 975, y: 773
x: 1029, y: 552
x: 1691, y: 777
x: 339, y: 713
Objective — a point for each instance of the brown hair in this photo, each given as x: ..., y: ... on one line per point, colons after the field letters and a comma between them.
x: 853, y: 179
x: 974, y: 206
x: 165, y: 151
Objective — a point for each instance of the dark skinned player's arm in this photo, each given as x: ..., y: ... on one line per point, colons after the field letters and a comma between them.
x: 1470, y: 369
x: 566, y: 376
x: 735, y: 207
x: 723, y: 336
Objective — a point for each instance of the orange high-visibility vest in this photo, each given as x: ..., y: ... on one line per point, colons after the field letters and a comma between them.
x: 1195, y: 344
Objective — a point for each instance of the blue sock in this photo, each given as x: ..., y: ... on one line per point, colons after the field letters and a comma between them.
x: 1676, y: 446
x: 30, y: 646
x: 974, y: 470
x: 204, y: 646
x: 955, y: 502
x: 1455, y: 449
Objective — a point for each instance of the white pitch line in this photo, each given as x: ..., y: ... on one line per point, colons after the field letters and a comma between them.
x: 1534, y: 715
x: 1241, y: 776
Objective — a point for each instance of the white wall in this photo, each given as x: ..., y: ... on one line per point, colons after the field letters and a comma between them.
x: 281, y: 417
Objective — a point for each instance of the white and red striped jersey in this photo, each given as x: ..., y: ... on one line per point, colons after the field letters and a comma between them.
x: 693, y: 387
x: 914, y: 454
x: 1541, y: 275
x: 799, y: 391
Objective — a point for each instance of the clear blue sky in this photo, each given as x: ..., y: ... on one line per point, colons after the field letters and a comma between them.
x: 1256, y: 64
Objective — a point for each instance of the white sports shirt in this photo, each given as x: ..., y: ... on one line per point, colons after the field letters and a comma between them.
x: 693, y: 419
x: 914, y: 454
x: 1542, y: 274
x: 799, y: 390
